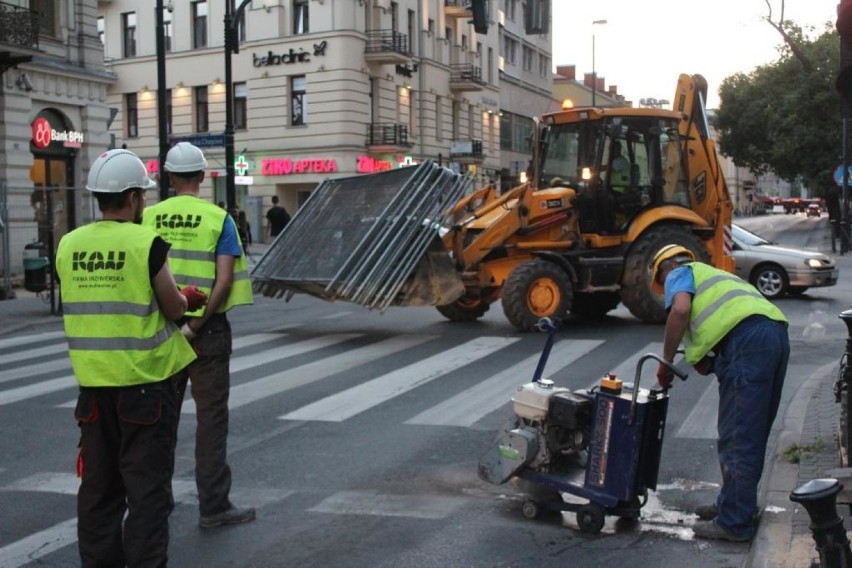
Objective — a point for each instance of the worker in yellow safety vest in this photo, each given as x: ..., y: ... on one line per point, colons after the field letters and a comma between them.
x: 119, y: 300
x: 207, y: 252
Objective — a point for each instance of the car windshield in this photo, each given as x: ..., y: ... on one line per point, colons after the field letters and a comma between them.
x: 747, y: 237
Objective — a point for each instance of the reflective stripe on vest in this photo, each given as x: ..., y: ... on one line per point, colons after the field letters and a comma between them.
x: 721, y: 301
x: 117, y: 336
x: 193, y: 227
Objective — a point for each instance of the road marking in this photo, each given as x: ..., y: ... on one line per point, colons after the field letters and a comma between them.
x: 355, y: 400
x: 26, y: 339
x: 375, y: 503
x: 701, y: 422
x: 336, y: 315
x: 469, y: 406
x: 277, y: 383
x: 40, y: 544
x: 33, y: 353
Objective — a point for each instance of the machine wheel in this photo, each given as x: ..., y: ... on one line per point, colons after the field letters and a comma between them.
x: 770, y: 280
x: 530, y: 509
x: 590, y: 518
x: 466, y: 308
x: 534, y: 290
x: 594, y: 306
x: 636, y: 292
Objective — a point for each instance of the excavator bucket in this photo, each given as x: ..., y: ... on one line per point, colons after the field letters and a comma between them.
x: 374, y: 240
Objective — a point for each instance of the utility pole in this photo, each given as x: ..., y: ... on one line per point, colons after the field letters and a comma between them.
x: 232, y: 45
x: 161, y: 101
x: 594, y: 73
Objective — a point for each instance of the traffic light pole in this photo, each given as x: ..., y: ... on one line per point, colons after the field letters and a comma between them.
x: 232, y: 45
x: 161, y: 102
x: 844, y: 203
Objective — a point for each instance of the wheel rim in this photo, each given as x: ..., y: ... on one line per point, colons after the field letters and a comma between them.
x: 544, y: 297
x: 770, y: 283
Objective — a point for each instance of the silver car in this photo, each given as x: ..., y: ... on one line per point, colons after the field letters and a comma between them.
x: 777, y: 270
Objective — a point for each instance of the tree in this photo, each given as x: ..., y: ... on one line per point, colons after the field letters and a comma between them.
x: 785, y: 116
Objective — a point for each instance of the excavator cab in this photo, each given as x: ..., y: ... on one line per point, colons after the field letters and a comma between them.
x: 620, y: 165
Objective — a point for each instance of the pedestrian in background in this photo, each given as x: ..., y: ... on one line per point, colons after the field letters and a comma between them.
x: 277, y: 218
x: 207, y: 252
x: 729, y: 328
x: 244, y: 230
x: 119, y: 299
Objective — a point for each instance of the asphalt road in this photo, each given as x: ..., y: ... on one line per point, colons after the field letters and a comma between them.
x: 357, y: 435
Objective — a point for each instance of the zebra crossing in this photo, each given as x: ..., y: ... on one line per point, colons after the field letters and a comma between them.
x: 35, y: 370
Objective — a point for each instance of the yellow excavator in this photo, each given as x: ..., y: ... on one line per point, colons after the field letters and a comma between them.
x: 606, y: 189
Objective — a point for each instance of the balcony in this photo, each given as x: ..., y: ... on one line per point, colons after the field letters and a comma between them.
x: 18, y: 35
x: 388, y: 137
x: 387, y: 46
x: 457, y: 9
x: 465, y: 77
x: 466, y: 151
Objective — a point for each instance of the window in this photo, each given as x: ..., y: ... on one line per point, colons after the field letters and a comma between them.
x: 456, y: 118
x: 412, y: 28
x: 128, y: 24
x: 300, y: 17
x: 101, y: 29
x: 490, y: 65
x: 529, y: 55
x: 202, y: 120
x: 543, y: 66
x: 168, y: 111
x: 131, y: 113
x: 240, y: 106
x: 167, y: 29
x: 439, y: 111
x: 47, y: 13
x: 298, y: 104
x: 509, y: 7
x: 199, y: 24
x: 510, y: 49
x: 241, y: 31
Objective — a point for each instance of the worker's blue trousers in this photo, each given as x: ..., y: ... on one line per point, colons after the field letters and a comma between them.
x: 750, y: 366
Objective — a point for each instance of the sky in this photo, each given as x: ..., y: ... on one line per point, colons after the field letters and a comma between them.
x: 646, y: 44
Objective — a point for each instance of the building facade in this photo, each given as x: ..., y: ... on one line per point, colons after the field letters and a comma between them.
x: 53, y: 118
x: 321, y: 88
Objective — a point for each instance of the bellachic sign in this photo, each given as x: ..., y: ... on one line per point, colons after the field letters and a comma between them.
x: 288, y: 57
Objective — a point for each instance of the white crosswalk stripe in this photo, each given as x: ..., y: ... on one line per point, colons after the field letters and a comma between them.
x: 27, y: 339
x: 355, y: 400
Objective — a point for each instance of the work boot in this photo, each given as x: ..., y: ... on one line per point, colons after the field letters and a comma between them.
x: 232, y: 516
x: 707, y: 512
x: 709, y: 529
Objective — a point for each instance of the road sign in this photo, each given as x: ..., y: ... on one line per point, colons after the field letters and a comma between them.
x: 201, y: 140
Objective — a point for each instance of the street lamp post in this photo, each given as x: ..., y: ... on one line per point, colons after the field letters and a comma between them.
x: 594, y: 74
x: 232, y: 45
x: 162, y: 131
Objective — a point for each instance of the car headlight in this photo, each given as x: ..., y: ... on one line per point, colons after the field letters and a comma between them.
x: 814, y: 262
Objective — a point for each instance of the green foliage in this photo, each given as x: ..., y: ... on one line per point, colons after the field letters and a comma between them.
x: 793, y: 453
x: 785, y: 116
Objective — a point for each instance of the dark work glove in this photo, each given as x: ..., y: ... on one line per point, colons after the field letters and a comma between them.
x: 195, y: 298
x: 664, y: 376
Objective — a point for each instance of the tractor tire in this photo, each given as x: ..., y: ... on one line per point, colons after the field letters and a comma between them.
x: 465, y: 309
x: 534, y: 290
x: 594, y: 306
x: 636, y: 292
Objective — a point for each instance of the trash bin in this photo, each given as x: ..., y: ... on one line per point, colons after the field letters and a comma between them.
x: 36, y: 263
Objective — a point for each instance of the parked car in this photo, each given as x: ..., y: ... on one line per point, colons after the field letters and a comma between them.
x: 814, y: 210
x: 776, y: 270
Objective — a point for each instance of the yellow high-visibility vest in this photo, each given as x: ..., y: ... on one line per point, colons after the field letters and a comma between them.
x: 117, y: 335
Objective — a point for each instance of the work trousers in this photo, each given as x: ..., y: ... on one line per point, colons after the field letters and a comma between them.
x: 750, y: 365
x: 210, y: 382
x: 127, y: 438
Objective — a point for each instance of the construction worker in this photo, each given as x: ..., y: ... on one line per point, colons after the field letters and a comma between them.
x: 207, y: 252
x: 119, y: 299
x: 729, y: 328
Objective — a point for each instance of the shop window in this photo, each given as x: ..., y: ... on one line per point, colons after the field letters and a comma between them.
x: 202, y: 119
x: 240, y: 106
x: 131, y: 113
x: 199, y: 24
x: 300, y: 17
x: 298, y: 104
x: 128, y: 25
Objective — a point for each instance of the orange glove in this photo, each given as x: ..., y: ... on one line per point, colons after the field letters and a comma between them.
x: 706, y: 366
x: 664, y: 376
x: 195, y: 298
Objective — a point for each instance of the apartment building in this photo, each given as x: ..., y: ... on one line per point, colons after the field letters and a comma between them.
x: 321, y: 88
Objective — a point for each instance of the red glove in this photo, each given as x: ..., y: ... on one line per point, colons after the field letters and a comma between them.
x: 664, y: 376
x: 195, y: 298
x: 705, y: 366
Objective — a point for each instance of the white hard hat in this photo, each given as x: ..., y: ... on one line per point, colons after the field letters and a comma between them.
x: 185, y: 158
x: 117, y: 170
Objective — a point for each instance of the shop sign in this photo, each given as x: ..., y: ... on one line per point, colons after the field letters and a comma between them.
x: 44, y: 135
x: 371, y: 165
x: 289, y: 57
x: 289, y: 166
x: 153, y: 167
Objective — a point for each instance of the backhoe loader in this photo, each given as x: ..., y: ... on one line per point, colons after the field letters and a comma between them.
x: 606, y: 189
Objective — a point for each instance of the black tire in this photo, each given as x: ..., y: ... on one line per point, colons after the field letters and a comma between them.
x: 534, y: 290
x: 530, y: 509
x: 590, y: 518
x: 770, y: 280
x: 594, y: 306
x: 466, y: 308
x: 636, y: 292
